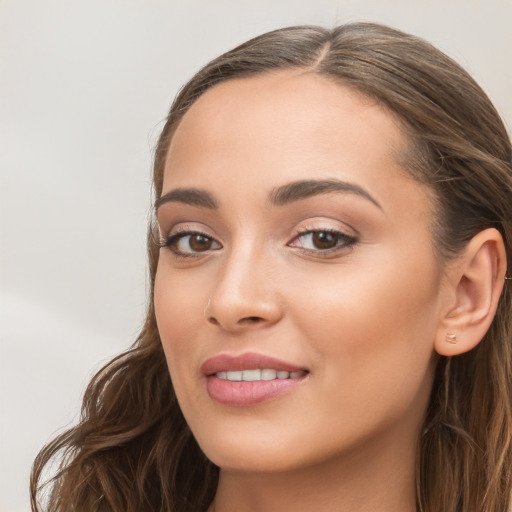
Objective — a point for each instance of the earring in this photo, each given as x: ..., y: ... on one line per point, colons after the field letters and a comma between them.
x: 451, y: 338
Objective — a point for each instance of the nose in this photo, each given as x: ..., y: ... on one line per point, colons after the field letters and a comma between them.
x: 245, y: 295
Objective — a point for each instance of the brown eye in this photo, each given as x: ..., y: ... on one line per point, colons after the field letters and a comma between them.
x: 190, y: 244
x: 199, y: 243
x: 324, y: 239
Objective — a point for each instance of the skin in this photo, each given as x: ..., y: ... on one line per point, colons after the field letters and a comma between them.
x: 362, y: 320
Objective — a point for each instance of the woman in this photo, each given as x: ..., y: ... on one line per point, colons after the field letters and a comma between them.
x: 328, y: 261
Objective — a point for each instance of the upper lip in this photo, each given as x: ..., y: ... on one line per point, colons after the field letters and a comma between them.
x: 247, y: 361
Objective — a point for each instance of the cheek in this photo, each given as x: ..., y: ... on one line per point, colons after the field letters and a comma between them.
x: 373, y: 332
x: 178, y: 310
x: 363, y: 303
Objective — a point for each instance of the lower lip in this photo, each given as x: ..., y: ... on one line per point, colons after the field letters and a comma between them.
x: 245, y: 394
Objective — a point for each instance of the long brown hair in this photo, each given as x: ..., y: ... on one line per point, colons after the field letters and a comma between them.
x: 133, y: 451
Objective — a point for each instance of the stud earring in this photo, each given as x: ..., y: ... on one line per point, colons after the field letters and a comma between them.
x: 451, y: 338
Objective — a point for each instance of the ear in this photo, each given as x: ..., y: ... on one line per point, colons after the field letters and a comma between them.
x: 475, y: 283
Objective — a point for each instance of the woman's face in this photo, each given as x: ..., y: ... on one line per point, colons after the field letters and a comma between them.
x: 298, y: 294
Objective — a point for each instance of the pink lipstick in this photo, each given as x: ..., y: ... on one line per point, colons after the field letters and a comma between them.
x: 249, y: 379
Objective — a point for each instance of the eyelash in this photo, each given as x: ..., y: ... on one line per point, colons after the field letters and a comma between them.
x: 171, y: 242
x: 347, y: 242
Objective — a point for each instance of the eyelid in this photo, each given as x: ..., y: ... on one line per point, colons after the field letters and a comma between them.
x: 178, y: 233
x: 325, y: 224
x: 343, y: 234
x: 185, y: 228
x: 348, y: 240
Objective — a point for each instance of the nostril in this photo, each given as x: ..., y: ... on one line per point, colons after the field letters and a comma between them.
x: 250, y: 320
x: 243, y: 321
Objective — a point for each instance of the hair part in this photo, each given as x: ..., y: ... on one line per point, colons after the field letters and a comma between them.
x: 133, y: 451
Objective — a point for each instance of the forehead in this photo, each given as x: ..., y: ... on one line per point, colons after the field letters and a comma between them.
x: 256, y: 133
x: 281, y: 115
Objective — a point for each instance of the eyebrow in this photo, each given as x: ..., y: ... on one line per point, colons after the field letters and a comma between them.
x: 191, y: 196
x: 279, y: 196
x: 303, y: 189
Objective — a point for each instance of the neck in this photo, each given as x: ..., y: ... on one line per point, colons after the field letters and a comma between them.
x: 376, y: 478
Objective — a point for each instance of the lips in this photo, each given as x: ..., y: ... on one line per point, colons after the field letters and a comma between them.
x: 247, y: 361
x: 250, y: 378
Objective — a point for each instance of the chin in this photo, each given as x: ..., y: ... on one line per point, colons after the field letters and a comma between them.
x: 265, y: 451
x: 249, y: 462
x: 250, y: 453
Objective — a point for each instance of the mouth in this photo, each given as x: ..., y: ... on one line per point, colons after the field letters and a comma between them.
x: 259, y: 374
x: 250, y: 379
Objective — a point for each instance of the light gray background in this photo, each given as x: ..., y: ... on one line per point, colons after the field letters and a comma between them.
x: 84, y: 86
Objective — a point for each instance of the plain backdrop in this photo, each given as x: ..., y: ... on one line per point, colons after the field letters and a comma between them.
x: 84, y: 87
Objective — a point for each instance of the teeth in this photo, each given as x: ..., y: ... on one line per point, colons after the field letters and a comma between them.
x: 268, y: 374
x: 251, y: 375
x: 257, y: 374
